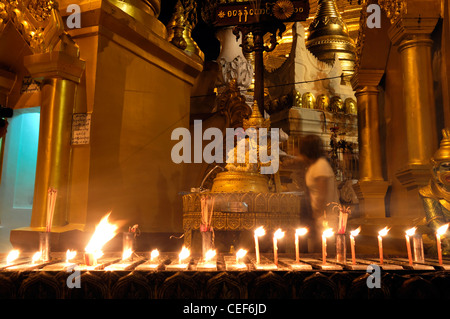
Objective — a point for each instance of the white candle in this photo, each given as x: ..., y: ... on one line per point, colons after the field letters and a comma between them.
x: 441, y: 231
x: 327, y: 233
x: 278, y: 235
x: 298, y: 232
x: 381, y: 233
x: 410, y: 232
x: 258, y: 233
x: 353, y: 234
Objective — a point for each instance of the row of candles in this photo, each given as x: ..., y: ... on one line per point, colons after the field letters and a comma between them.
x: 106, y: 231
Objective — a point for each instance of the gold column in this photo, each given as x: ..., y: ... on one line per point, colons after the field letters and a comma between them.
x: 371, y: 187
x: 61, y: 72
x: 412, y: 36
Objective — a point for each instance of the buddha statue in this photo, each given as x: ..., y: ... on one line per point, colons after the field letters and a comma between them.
x: 350, y: 106
x: 336, y: 104
x: 323, y: 101
x: 308, y: 100
x: 436, y: 195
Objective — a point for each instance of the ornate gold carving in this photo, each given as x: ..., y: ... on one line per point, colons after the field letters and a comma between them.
x: 272, y: 210
x: 393, y: 8
x: 231, y: 103
x: 176, y: 27
x: 38, y: 21
x: 283, y: 9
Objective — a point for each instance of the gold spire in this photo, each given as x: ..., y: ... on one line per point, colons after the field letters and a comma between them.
x: 328, y: 36
x: 256, y: 119
x: 443, y: 153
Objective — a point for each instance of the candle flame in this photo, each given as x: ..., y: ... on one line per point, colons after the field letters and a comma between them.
x: 154, y: 254
x: 278, y: 234
x: 210, y: 254
x: 410, y: 232
x: 355, y: 232
x: 13, y: 255
x: 384, y: 231
x: 301, y: 231
x: 103, y: 233
x: 70, y: 254
x: 185, y: 253
x: 260, y: 231
x: 240, y: 254
x: 328, y: 232
x: 441, y: 230
x: 127, y: 254
x: 37, y: 255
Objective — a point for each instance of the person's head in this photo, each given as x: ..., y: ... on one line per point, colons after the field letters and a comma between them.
x: 311, y: 147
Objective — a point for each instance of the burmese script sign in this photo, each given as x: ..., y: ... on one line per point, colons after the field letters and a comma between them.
x: 81, y: 127
x: 269, y: 11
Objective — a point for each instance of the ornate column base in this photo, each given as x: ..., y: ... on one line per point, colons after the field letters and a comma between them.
x: 371, y: 195
x: 414, y: 175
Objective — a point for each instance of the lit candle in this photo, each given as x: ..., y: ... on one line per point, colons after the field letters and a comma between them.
x: 278, y: 235
x: 410, y: 232
x: 298, y: 232
x: 127, y: 254
x: 327, y: 233
x: 210, y: 254
x: 70, y: 254
x: 258, y: 233
x: 240, y: 254
x: 13, y: 255
x: 185, y: 253
x: 36, y: 257
x: 153, y: 254
x: 353, y: 234
x: 381, y: 233
x: 441, y: 231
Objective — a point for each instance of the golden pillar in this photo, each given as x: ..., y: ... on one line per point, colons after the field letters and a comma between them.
x: 412, y: 36
x: 371, y: 187
x: 60, y: 72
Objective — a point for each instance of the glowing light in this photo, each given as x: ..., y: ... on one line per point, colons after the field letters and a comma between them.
x: 13, y: 255
x: 410, y: 232
x: 441, y: 230
x: 260, y: 231
x: 154, y: 253
x: 355, y: 232
x: 127, y: 254
x: 384, y: 231
x: 278, y: 234
x: 70, y: 254
x: 36, y: 257
x: 210, y: 254
x: 240, y: 254
x: 301, y: 231
x: 103, y: 233
x: 185, y: 253
x: 328, y: 232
